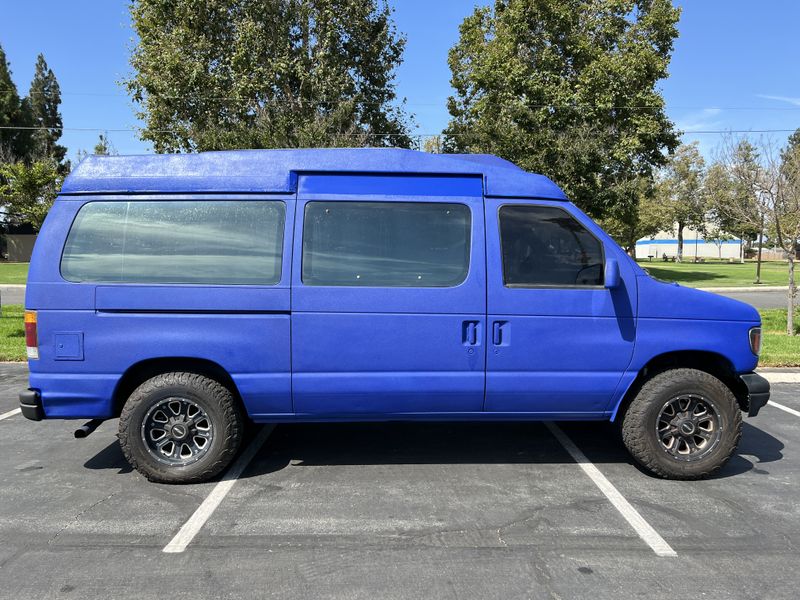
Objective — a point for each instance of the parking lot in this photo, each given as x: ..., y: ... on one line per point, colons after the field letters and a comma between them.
x: 398, y: 510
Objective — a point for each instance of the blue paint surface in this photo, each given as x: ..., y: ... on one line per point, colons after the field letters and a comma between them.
x: 477, y: 350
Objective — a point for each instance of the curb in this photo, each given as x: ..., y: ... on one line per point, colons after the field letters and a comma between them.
x: 787, y: 376
x: 754, y: 288
x: 15, y: 286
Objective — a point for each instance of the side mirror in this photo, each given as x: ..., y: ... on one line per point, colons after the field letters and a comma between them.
x: 612, y: 278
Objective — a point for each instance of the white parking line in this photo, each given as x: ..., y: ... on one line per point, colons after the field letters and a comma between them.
x: 649, y: 535
x: 791, y: 411
x: 10, y: 413
x: 195, y: 523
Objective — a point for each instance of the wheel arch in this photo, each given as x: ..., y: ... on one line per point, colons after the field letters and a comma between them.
x: 712, y: 363
x: 143, y: 370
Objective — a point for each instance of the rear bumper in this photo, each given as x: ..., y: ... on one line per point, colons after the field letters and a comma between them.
x: 757, y: 390
x: 30, y: 403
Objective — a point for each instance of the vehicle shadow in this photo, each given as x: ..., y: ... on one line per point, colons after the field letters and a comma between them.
x: 468, y: 443
x: 343, y: 444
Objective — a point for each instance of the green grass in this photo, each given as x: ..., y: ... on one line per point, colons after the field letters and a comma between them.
x: 778, y: 349
x: 13, y: 272
x: 12, y: 333
x: 718, y: 274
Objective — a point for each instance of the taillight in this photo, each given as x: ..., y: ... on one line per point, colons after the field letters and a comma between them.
x: 755, y: 340
x: 31, y: 337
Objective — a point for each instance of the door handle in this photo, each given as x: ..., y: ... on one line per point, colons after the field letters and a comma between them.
x: 469, y: 333
x: 498, y: 327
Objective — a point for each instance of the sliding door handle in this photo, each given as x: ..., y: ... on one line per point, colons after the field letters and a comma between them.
x: 469, y: 333
x: 500, y: 333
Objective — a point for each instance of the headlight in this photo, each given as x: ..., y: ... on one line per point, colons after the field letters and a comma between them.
x: 755, y: 340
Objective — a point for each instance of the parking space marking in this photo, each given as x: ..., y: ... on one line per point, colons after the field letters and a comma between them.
x: 791, y: 411
x: 649, y: 535
x: 10, y: 413
x: 195, y: 523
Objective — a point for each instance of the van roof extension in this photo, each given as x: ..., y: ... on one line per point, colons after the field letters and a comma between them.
x: 276, y: 171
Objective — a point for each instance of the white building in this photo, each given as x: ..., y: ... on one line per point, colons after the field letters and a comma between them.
x: 666, y: 242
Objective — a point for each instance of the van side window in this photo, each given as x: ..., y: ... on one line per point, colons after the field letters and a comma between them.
x: 200, y: 242
x: 546, y: 246
x: 386, y: 244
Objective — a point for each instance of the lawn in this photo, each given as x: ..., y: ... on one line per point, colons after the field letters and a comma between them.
x: 718, y: 274
x: 12, y: 333
x: 778, y: 349
x: 13, y: 272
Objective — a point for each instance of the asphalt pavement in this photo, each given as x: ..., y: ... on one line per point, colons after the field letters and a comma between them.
x: 396, y: 510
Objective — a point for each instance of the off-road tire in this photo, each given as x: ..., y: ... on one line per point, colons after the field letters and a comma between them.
x: 639, y: 423
x: 214, y: 398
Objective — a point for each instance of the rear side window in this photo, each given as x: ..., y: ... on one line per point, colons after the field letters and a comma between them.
x: 202, y: 242
x: 546, y: 246
x: 386, y: 244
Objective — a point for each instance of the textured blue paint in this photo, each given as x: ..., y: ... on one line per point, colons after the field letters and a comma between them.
x: 345, y: 353
x: 276, y: 171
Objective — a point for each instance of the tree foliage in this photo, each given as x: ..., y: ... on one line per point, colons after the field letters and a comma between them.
x: 681, y: 191
x: 262, y: 74
x: 27, y: 191
x: 45, y: 99
x: 567, y: 88
x: 15, y: 144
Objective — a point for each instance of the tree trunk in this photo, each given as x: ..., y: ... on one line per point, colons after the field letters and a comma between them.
x: 760, y: 244
x: 791, y: 298
x: 680, y: 243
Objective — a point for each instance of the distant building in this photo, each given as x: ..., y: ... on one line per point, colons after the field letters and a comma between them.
x: 694, y: 245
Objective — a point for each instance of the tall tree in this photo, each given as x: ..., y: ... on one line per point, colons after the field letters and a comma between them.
x: 27, y: 191
x: 680, y: 191
x: 253, y: 74
x: 45, y: 99
x: 15, y: 144
x: 567, y: 88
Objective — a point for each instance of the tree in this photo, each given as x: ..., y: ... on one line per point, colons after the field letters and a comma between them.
x: 680, y: 191
x: 786, y: 214
x: 15, y: 144
x: 745, y: 205
x: 567, y: 88
x: 251, y: 74
x: 44, y: 99
x: 27, y: 191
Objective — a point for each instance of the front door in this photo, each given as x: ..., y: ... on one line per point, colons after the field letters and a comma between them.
x: 559, y: 341
x: 388, y: 296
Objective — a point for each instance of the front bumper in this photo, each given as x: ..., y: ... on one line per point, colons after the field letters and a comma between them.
x: 30, y: 403
x: 757, y: 391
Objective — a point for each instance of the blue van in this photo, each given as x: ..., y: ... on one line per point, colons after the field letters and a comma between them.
x: 186, y: 294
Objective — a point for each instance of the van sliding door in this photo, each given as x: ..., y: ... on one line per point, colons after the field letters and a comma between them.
x: 388, y: 296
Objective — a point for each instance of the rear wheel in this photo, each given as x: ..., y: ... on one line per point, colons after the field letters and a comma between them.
x: 180, y: 428
x: 683, y: 424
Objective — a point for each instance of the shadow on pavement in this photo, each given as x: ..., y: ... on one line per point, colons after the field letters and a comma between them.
x: 450, y: 443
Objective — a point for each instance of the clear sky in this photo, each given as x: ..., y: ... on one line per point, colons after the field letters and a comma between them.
x: 735, y: 64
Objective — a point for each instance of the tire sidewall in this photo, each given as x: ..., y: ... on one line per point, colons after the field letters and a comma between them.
x: 142, y: 400
x: 715, y: 393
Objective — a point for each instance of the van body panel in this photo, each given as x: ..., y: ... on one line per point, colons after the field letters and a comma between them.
x: 358, y: 350
x: 557, y: 349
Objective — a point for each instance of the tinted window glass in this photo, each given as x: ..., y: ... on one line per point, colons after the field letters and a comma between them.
x: 547, y: 246
x: 386, y: 244
x: 212, y: 242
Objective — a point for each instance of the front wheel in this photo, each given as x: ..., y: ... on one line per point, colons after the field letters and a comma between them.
x: 180, y: 428
x: 683, y: 424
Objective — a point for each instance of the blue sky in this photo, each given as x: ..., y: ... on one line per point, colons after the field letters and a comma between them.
x: 734, y: 67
